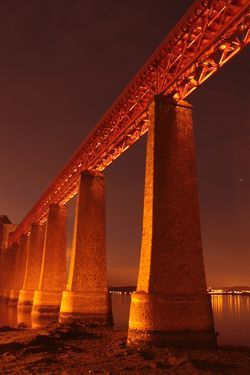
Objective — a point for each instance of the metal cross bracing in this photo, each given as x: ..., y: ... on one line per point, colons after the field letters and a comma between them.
x: 209, y: 34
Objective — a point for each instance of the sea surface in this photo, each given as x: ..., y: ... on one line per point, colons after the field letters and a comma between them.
x: 231, y: 316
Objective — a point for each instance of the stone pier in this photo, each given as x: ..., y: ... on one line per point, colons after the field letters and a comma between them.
x: 33, y: 267
x: 2, y: 268
x: 171, y: 305
x: 3, y: 221
x: 9, y: 274
x: 5, y: 286
x: 6, y: 227
x: 47, y: 297
x: 19, y: 269
x: 87, y: 298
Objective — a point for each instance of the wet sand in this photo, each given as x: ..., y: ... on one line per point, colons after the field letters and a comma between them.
x: 73, y: 349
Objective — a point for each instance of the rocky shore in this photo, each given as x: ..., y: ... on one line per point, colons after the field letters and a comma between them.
x: 73, y: 349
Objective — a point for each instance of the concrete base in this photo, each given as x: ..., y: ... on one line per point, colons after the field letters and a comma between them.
x: 13, y: 297
x: 5, y: 298
x: 24, y: 317
x: 25, y: 300
x: 11, y: 314
x: 89, y: 308
x: 174, y: 320
x: 42, y: 321
x: 46, y: 303
x: 183, y: 339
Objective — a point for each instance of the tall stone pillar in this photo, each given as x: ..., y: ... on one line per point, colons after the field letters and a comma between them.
x: 33, y: 266
x: 3, y: 256
x: 19, y: 269
x: 9, y: 274
x: 5, y: 229
x: 7, y: 232
x: 4, y: 277
x: 171, y: 305
x: 3, y: 221
x: 47, y: 297
x: 2, y: 267
x: 87, y: 297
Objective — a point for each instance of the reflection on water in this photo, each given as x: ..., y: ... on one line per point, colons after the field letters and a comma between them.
x: 11, y: 316
x: 232, y: 319
x: 8, y: 315
x: 120, y: 309
x: 231, y: 316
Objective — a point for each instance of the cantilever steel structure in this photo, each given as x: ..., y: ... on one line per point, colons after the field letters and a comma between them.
x: 209, y: 34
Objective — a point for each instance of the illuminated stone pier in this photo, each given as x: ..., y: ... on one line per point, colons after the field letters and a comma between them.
x: 87, y: 298
x: 47, y: 297
x: 9, y: 274
x: 171, y: 305
x: 19, y: 269
x: 2, y: 273
x: 3, y: 221
x: 33, y: 266
x: 6, y: 227
x: 5, y: 281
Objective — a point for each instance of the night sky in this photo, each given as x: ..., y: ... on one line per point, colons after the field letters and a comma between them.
x: 62, y: 64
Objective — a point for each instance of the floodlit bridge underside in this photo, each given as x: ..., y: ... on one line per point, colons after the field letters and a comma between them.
x: 208, y: 35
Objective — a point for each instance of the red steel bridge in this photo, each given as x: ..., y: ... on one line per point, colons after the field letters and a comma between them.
x: 209, y: 34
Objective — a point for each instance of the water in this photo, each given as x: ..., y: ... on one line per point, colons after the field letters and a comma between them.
x: 231, y: 316
x: 232, y: 319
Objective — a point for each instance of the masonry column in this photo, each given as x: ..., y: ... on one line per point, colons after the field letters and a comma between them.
x: 5, y: 275
x: 19, y: 269
x: 5, y: 229
x: 171, y: 305
x: 9, y: 274
x: 33, y: 266
x: 3, y: 257
x: 47, y: 297
x: 3, y: 272
x: 87, y: 297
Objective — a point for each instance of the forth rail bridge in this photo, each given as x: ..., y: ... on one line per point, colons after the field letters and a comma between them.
x: 171, y: 304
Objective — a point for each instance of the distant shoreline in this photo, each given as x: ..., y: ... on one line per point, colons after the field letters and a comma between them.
x: 242, y: 291
x: 123, y: 289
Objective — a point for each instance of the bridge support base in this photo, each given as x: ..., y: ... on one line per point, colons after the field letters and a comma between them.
x: 20, y: 252
x: 8, y: 274
x: 164, y: 320
x: 171, y: 305
x: 46, y: 308
x: 13, y: 297
x: 87, y: 298
x: 33, y: 267
x: 25, y: 299
x: 88, y: 308
x: 47, y: 297
x: 6, y: 294
x: 46, y: 302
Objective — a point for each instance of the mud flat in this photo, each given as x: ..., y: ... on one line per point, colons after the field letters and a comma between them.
x: 73, y: 349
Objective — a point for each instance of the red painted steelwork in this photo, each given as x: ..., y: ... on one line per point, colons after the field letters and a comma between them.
x: 209, y: 34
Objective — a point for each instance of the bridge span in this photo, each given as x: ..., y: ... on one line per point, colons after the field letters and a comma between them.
x: 171, y: 305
